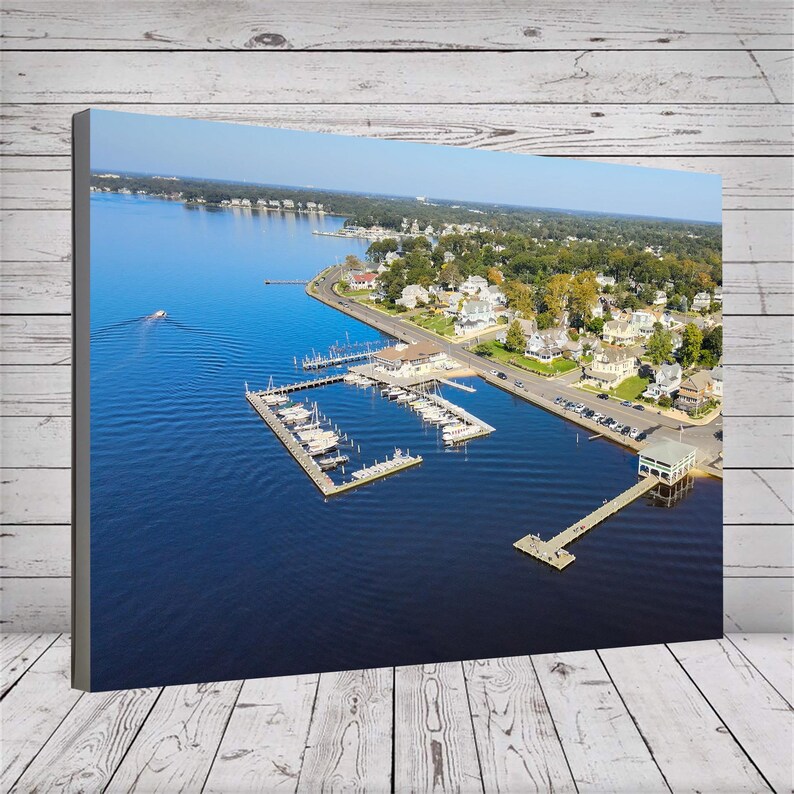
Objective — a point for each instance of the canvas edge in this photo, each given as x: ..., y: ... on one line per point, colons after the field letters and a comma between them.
x: 81, y: 406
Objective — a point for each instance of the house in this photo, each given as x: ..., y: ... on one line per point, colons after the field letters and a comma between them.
x: 546, y: 345
x: 610, y: 366
x: 364, y: 280
x: 453, y: 303
x: 575, y: 349
x: 701, y: 301
x: 288, y: 204
x: 642, y: 323
x: 261, y: 202
x: 659, y: 297
x: 597, y: 309
x: 409, y: 360
x: 448, y: 257
x: 716, y: 380
x: 390, y: 257
x: 717, y: 297
x: 619, y: 332
x: 474, y: 316
x: 695, y: 391
x: 382, y: 268
x: 664, y: 317
x: 605, y: 281
x: 245, y: 203
x: 311, y: 206
x: 473, y: 285
x: 275, y: 203
x: 493, y: 296
x: 527, y: 326
x: 412, y: 295
x: 677, y: 340
x: 666, y: 382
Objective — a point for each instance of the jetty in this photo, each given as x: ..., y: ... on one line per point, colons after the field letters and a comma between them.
x: 337, y: 357
x: 286, y: 281
x: 307, y: 462
x: 553, y: 552
x: 300, y: 385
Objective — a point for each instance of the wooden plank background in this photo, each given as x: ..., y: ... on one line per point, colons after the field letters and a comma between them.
x: 699, y: 86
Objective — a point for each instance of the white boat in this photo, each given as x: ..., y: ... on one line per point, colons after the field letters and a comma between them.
x: 276, y: 399
x: 298, y: 416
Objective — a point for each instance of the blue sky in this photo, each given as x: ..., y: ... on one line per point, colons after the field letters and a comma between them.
x: 186, y: 147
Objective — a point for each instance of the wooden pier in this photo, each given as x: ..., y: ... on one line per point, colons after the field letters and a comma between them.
x: 338, y: 357
x: 323, y: 482
x: 552, y: 551
x: 286, y: 281
x: 304, y: 384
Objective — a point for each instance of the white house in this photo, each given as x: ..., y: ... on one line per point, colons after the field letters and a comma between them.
x: 597, y: 309
x: 363, y: 280
x: 716, y: 382
x: 717, y: 295
x: 474, y: 316
x: 611, y: 366
x: 619, y: 332
x: 659, y: 298
x: 493, y: 296
x: 527, y: 326
x: 605, y: 281
x: 453, y: 301
x: 666, y: 382
x: 546, y: 345
x: 701, y: 301
x: 288, y: 204
x: 390, y: 257
x: 409, y: 360
x: 642, y: 323
x: 413, y: 294
x: 473, y: 285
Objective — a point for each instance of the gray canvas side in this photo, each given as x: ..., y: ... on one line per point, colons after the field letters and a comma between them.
x: 81, y: 405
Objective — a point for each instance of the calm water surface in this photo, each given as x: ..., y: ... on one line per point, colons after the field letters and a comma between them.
x: 215, y: 557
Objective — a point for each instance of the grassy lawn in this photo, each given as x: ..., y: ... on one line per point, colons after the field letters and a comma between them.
x: 354, y: 293
x: 631, y: 388
x: 437, y: 323
x: 558, y: 367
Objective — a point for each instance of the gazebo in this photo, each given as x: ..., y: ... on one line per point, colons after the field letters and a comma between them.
x: 667, y: 460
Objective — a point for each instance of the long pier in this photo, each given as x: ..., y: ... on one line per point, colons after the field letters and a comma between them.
x: 286, y: 281
x: 336, y: 359
x: 553, y: 551
x: 304, y: 384
x: 323, y: 482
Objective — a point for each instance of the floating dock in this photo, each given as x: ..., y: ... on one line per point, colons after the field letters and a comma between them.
x: 552, y: 551
x: 338, y: 356
x: 323, y: 482
x: 300, y: 385
x: 286, y: 281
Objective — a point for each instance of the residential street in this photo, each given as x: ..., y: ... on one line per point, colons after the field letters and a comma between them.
x: 537, y: 389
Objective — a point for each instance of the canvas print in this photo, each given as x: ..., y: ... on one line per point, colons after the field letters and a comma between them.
x: 343, y: 403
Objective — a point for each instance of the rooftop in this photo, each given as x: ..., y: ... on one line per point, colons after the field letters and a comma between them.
x: 413, y: 352
x: 667, y: 452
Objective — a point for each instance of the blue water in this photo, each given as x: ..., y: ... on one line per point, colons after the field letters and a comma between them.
x: 215, y: 557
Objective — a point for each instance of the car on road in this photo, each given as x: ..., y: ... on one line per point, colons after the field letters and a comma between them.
x: 626, y: 403
x: 501, y: 376
x: 638, y: 407
x: 492, y: 372
x: 603, y: 396
x: 519, y: 384
x: 341, y: 303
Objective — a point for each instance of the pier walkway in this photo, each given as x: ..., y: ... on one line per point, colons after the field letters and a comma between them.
x: 337, y: 359
x: 304, y: 384
x: 552, y: 551
x: 323, y: 482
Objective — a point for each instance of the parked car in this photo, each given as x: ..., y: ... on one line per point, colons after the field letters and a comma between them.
x: 558, y: 400
x: 603, y: 396
x: 625, y: 430
x: 642, y: 436
x: 626, y: 403
x: 634, y: 432
x: 638, y: 407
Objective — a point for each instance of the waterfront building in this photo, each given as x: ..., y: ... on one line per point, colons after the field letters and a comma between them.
x: 610, y: 366
x: 409, y: 360
x: 527, y: 326
x: 364, y: 280
x: 412, y: 295
x: 670, y: 461
x: 288, y: 204
x: 473, y: 285
x: 695, y: 391
x: 474, y: 316
x: 619, y: 332
x: 666, y: 382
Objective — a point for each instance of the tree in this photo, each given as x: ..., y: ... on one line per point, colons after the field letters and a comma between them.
x: 707, y: 358
x: 660, y: 345
x: 520, y: 298
x: 557, y: 293
x: 712, y: 341
x: 450, y: 275
x: 665, y: 401
x: 583, y: 293
x: 352, y: 262
x: 494, y: 275
x: 483, y: 350
x: 545, y: 320
x: 515, y: 342
x: 596, y: 325
x: 691, y: 341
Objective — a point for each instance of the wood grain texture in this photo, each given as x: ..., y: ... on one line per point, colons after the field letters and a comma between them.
x: 90, y: 742
x: 773, y: 656
x: 413, y: 25
x: 35, y: 551
x: 176, y: 745
x: 603, y: 747
x: 758, y: 551
x: 583, y: 130
x: 34, y: 708
x: 17, y: 653
x: 264, y: 742
x: 434, y: 748
x: 689, y: 742
x: 349, y: 747
x: 543, y: 77
x: 759, y: 719
x: 35, y: 601
x: 35, y: 391
x: 518, y: 746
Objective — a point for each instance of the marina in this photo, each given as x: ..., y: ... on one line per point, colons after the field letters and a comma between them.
x: 338, y: 356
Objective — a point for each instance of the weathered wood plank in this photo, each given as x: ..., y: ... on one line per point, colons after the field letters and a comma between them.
x: 35, y: 604
x: 434, y: 748
x: 178, y: 740
x: 41, y: 496
x: 34, y: 709
x: 689, y: 742
x: 45, y: 288
x: 350, y: 742
x: 517, y: 743
x: 17, y: 653
x: 264, y: 742
x: 778, y: 69
x: 44, y: 182
x: 749, y: 443
x: 758, y: 551
x: 240, y: 77
x: 411, y: 25
x: 35, y: 551
x: 758, y: 604
x: 42, y: 390
x: 756, y: 715
x: 602, y: 745
x: 588, y: 131
x: 35, y: 391
x: 773, y: 656
x: 43, y: 339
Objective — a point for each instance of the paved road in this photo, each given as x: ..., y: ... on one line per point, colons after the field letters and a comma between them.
x: 536, y: 389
